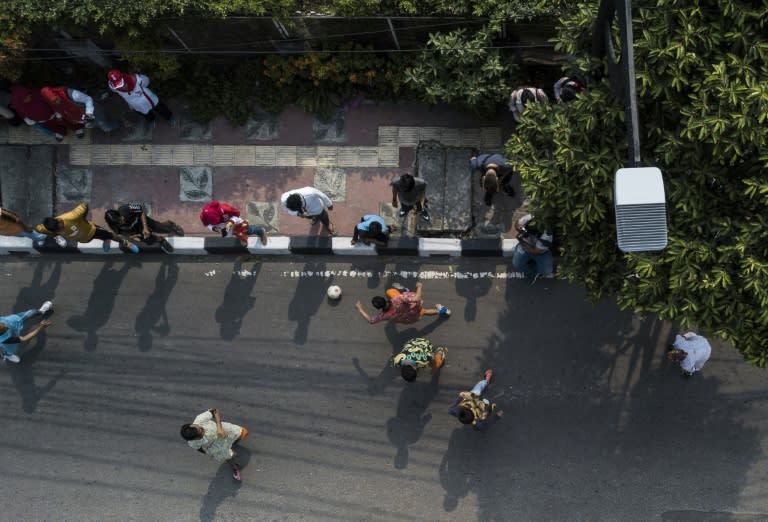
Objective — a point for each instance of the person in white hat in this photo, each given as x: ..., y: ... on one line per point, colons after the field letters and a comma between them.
x: 134, y: 89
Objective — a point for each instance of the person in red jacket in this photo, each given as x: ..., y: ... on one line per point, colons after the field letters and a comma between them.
x: 71, y: 113
x: 31, y: 106
x: 225, y: 219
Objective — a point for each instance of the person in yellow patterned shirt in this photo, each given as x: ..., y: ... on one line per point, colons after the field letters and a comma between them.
x: 74, y: 226
x: 207, y: 434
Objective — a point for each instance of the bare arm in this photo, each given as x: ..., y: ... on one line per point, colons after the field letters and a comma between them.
x: 361, y: 311
x: 217, y: 420
x: 144, y: 226
x: 45, y: 323
x: 394, y: 197
x: 419, y: 286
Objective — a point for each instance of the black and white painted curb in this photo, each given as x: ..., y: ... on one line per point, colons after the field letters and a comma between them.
x: 281, y: 245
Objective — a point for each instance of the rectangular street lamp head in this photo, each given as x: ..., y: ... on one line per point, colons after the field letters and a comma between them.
x: 641, y: 209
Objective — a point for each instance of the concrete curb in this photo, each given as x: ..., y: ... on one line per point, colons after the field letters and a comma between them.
x: 281, y: 245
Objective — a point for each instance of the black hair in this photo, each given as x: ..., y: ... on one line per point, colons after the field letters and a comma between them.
x: 406, y: 182
x: 527, y: 96
x: 568, y: 93
x: 112, y: 217
x: 408, y: 372
x: 380, y: 302
x: 466, y: 416
x: 374, y: 228
x: 490, y: 181
x: 51, y: 224
x: 189, y: 433
x: 294, y: 202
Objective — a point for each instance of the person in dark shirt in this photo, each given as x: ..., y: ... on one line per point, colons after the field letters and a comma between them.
x: 494, y: 174
x: 10, y: 330
x: 470, y: 408
x: 131, y: 220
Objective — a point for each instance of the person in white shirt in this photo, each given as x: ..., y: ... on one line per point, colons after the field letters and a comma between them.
x: 690, y: 350
x: 134, y: 89
x: 309, y: 203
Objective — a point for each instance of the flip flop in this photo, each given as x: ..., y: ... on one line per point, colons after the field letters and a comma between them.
x: 236, y: 475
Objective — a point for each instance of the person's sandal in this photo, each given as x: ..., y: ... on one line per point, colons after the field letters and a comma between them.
x: 236, y: 475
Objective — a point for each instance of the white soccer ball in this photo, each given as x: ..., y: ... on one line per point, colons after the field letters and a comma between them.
x: 334, y: 292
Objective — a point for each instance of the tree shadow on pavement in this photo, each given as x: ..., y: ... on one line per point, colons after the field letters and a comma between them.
x: 223, y: 486
x: 407, y: 426
x: 153, y: 317
x: 106, y: 287
x: 238, y: 300
x: 310, y: 294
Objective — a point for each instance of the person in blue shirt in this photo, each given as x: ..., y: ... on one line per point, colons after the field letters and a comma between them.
x: 372, y: 229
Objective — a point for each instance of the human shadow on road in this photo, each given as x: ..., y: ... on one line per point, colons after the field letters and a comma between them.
x: 309, y: 295
x: 154, y: 317
x: 238, y: 300
x: 469, y: 287
x: 223, y: 486
x: 458, y: 469
x: 101, y: 302
x: 38, y: 291
x: 407, y: 426
x: 23, y: 376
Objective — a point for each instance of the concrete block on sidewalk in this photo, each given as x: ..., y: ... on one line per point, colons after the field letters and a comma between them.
x: 481, y: 247
x: 10, y: 245
x: 433, y: 246
x: 276, y: 245
x: 508, y: 247
x: 311, y: 245
x: 402, y: 246
x: 188, y: 245
x: 343, y: 246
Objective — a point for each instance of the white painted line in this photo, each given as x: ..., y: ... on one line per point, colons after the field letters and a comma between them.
x: 10, y: 244
x: 276, y: 245
x: 431, y: 246
x: 188, y: 245
x: 405, y: 274
x: 342, y: 246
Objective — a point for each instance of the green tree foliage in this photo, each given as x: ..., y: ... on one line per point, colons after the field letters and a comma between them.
x: 702, y: 74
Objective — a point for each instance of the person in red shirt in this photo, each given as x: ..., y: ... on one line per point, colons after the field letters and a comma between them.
x: 401, y: 307
x: 225, y: 219
x: 31, y: 106
x: 71, y: 113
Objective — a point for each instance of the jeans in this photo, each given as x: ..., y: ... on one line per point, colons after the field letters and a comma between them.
x: 33, y: 235
x: 479, y: 388
x: 532, y: 264
x: 255, y: 230
x: 15, y: 323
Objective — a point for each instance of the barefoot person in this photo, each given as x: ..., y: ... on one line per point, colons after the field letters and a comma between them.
x: 10, y: 330
x: 207, y: 434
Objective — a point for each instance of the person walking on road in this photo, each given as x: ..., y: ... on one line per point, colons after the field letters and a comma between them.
x: 11, y: 224
x: 401, y: 307
x: 134, y: 89
x: 418, y: 353
x: 691, y: 351
x: 412, y: 193
x: 74, y: 226
x: 309, y: 203
x: 225, y: 219
x: 131, y: 220
x: 209, y: 435
x: 11, y: 326
x: 470, y: 407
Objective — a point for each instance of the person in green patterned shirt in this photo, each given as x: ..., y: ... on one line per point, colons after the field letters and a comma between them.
x: 418, y: 353
x: 207, y: 434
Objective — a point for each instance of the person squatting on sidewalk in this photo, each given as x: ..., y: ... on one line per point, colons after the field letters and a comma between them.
x: 131, y: 220
x: 225, y: 219
x: 418, y: 353
x: 12, y: 225
x: 493, y: 173
x: 309, y: 203
x: 690, y: 350
x: 372, y: 229
x: 470, y: 408
x: 77, y: 109
x: 208, y: 435
x: 30, y: 105
x: 134, y: 89
x: 412, y: 193
x: 11, y: 326
x: 401, y: 307
x: 523, y: 96
x: 533, y: 254
x: 74, y: 226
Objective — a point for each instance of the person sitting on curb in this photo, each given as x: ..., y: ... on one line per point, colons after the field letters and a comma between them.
x: 403, y: 307
x: 494, y: 173
x: 372, y: 229
x: 74, y: 226
x: 309, y: 203
x: 11, y: 326
x: 208, y: 435
x: 131, y: 220
x: 533, y: 254
x: 470, y: 408
x: 418, y: 353
x: 225, y: 219
x: 412, y: 193
x: 12, y: 225
x: 690, y: 350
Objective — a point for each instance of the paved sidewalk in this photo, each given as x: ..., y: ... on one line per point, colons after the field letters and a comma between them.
x: 174, y: 171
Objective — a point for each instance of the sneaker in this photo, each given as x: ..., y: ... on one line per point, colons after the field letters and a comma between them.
x: 60, y: 241
x: 176, y: 229
x: 403, y: 211
x: 46, y: 307
x: 165, y: 246
x: 58, y: 137
x: 488, y: 375
x: 105, y: 246
x: 313, y: 220
x: 12, y: 358
x: 488, y: 199
x: 79, y: 134
x: 264, y: 238
x: 443, y: 311
x: 127, y: 245
x: 424, y: 215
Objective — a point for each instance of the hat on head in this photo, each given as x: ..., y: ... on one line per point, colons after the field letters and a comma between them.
x: 211, y: 213
x: 115, y: 79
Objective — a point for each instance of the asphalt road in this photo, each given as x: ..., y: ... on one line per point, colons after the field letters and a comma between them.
x: 597, y: 424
